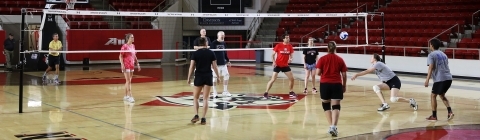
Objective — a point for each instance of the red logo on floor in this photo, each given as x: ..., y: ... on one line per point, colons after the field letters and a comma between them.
x: 237, y: 100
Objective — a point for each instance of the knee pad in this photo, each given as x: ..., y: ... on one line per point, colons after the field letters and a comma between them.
x: 226, y: 77
x: 376, y: 89
x: 336, y: 107
x: 326, y: 106
x: 394, y: 99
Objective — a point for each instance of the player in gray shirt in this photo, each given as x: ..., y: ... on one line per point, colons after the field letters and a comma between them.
x: 389, y: 81
x: 439, y: 71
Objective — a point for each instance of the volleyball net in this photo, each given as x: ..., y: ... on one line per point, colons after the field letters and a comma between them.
x: 85, y: 35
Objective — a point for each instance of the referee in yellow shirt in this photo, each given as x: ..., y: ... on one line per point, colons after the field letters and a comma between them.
x: 53, y: 57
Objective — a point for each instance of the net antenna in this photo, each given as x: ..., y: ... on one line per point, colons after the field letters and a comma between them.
x: 70, y: 4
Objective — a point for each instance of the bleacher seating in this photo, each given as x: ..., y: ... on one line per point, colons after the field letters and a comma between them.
x: 408, y: 23
x: 299, y: 28
x: 13, y: 7
x: 83, y: 21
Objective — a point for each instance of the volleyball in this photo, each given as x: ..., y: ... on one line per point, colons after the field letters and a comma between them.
x: 343, y: 35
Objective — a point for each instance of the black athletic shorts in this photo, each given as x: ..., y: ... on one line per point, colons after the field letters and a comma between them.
x: 441, y: 87
x: 281, y: 69
x: 53, y: 60
x: 203, y: 80
x: 330, y: 91
x: 394, y: 83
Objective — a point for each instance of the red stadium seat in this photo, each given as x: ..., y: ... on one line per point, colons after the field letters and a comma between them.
x: 74, y: 25
x: 83, y: 25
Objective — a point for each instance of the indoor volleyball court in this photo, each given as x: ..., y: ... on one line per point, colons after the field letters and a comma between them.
x: 90, y: 98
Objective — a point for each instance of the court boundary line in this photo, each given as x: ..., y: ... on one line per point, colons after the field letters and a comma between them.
x: 73, y: 112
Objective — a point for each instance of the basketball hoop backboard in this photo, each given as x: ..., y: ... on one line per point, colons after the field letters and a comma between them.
x: 63, y: 1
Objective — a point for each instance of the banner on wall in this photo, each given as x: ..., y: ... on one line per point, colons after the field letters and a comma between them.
x: 221, y: 6
x: 91, y: 40
x: 2, y: 38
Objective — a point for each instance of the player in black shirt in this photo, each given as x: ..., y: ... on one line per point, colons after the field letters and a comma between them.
x: 222, y: 62
x: 203, y: 34
x: 310, y: 57
x: 203, y: 60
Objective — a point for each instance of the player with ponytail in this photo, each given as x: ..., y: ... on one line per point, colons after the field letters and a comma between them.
x: 389, y: 81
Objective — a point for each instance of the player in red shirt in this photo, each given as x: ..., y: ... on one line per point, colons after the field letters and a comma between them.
x: 128, y: 60
x: 284, y: 52
x: 333, y: 81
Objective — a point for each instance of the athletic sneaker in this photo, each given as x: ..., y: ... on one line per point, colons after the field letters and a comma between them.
x: 44, y: 77
x: 56, y: 81
x: 265, y: 95
x: 305, y: 91
x: 226, y: 94
x: 194, y: 119
x: 292, y: 94
x: 431, y: 118
x: 413, y: 104
x: 203, y: 121
x: 314, y: 90
x: 125, y: 98
x: 131, y: 100
x: 383, y: 107
x: 333, y: 131
x: 214, y: 95
x: 450, y: 116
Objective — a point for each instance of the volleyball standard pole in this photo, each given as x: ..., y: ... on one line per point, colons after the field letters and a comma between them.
x: 22, y: 61
x: 383, y: 37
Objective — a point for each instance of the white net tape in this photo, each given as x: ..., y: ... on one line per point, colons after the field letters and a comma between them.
x: 191, y: 50
x: 182, y: 14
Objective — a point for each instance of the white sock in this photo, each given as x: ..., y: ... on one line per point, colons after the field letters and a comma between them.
x: 56, y: 76
x: 225, y: 88
x: 45, y: 73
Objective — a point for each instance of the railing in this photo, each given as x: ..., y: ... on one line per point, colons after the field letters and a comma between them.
x: 359, y: 7
x: 341, y: 19
x: 1, y: 24
x: 328, y: 28
x: 192, y: 9
x: 251, y: 28
x: 449, y: 29
x: 473, y: 20
x: 111, y: 8
x: 158, y: 6
x: 406, y: 51
x: 122, y: 25
x: 255, y: 25
x: 378, y: 4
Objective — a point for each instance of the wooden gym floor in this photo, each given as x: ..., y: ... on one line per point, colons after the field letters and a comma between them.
x: 89, y: 105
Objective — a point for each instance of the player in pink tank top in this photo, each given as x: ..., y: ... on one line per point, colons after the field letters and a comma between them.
x: 128, y: 57
x: 128, y: 60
